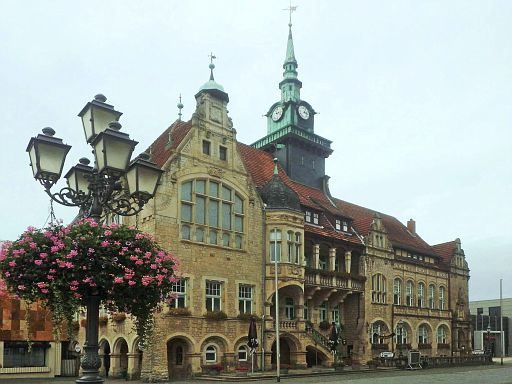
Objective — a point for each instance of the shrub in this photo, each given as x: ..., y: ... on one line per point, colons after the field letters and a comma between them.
x: 324, y: 325
x: 179, y: 312
x: 103, y: 320
x: 119, y: 317
x: 247, y: 316
x: 215, y: 315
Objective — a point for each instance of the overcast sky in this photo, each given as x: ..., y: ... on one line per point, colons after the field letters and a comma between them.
x: 416, y: 96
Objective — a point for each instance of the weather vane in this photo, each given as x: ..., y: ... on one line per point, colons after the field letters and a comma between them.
x: 212, y: 56
x: 291, y: 9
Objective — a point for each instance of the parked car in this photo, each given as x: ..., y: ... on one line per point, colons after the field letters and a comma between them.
x: 387, y: 355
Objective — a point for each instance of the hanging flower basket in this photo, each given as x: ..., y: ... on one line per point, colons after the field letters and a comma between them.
x: 119, y: 317
x: 103, y: 320
x: 63, y: 265
x: 179, y: 312
x: 215, y: 315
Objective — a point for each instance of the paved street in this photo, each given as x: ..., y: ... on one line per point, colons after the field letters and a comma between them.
x: 495, y: 374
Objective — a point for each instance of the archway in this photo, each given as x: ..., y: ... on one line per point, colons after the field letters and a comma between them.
x: 105, y: 357
x: 314, y: 357
x: 285, y: 352
x: 136, y: 356
x: 119, y: 358
x: 178, y: 361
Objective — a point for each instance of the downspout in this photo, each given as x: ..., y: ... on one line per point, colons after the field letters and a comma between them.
x: 263, y: 282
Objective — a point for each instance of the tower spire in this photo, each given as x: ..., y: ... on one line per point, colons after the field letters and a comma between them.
x: 180, y: 107
x: 211, y: 66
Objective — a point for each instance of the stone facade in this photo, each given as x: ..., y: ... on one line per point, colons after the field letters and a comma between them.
x: 376, y: 279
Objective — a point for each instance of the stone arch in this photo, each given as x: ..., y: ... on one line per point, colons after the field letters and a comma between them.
x: 104, y: 352
x: 179, y: 365
x: 314, y: 356
x: 289, y: 346
x: 119, y: 357
x: 289, y: 289
x: 214, y: 348
x: 136, y: 353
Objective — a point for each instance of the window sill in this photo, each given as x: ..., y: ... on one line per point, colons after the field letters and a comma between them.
x: 25, y: 370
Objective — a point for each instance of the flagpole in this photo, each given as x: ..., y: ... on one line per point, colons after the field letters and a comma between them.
x: 278, y: 352
x: 502, y: 334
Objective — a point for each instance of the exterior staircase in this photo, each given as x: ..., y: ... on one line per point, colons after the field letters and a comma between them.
x: 319, y: 339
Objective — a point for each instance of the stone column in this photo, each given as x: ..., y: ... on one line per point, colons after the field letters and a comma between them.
x: 332, y: 259
x: 133, y: 366
x: 316, y: 256
x: 348, y: 261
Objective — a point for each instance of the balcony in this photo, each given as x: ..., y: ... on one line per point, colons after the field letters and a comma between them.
x: 333, y: 279
x: 402, y: 310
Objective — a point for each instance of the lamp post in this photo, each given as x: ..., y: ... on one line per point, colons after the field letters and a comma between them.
x: 278, y: 349
x: 113, y: 186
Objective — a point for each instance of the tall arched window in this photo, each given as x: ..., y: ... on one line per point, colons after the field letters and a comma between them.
x: 442, y: 299
x: 378, y: 330
x: 401, y: 334
x: 442, y: 334
x: 322, y: 311
x: 293, y: 239
x: 242, y: 353
x: 275, y: 244
x: 211, y: 212
x: 397, y: 291
x: 421, y: 295
x: 422, y: 334
x: 297, y: 258
x: 431, y: 298
x: 409, y: 292
x: 378, y: 288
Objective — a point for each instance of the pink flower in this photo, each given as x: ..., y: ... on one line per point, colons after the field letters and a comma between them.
x: 105, y: 243
x: 43, y: 255
x: 91, y: 250
x: 139, y: 262
x: 38, y: 262
x: 12, y: 263
x: 41, y: 285
x: 153, y: 266
x: 131, y: 282
x: 7, y: 274
x: 108, y: 233
x: 33, y: 245
x: 21, y: 287
x: 74, y: 288
x: 77, y: 295
x: 118, y: 280
x: 72, y: 254
x: 74, y: 283
x: 44, y: 291
x: 55, y: 249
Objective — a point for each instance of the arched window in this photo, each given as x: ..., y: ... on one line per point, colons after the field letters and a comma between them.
x: 335, y: 314
x: 421, y: 295
x: 423, y: 334
x: 242, y: 353
x: 442, y: 299
x: 211, y: 210
x: 377, y: 331
x: 397, y: 291
x: 306, y: 310
x: 289, y: 308
x: 401, y: 334
x: 431, y: 299
x: 442, y: 334
x: 409, y: 292
x: 210, y: 354
x: 275, y: 245
x: 378, y: 288
x: 293, y: 247
x: 179, y: 355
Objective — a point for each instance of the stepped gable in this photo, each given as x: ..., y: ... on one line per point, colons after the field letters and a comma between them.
x: 445, y: 250
x: 398, y: 233
x: 162, y: 148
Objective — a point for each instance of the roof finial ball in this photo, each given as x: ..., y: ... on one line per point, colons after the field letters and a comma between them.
x: 211, y: 66
x: 180, y: 107
x: 276, y: 171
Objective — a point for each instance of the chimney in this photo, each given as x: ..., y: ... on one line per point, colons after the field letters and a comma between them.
x: 411, y: 226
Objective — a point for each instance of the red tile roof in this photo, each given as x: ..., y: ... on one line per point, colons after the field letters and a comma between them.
x: 161, y: 148
x: 260, y: 166
x: 446, y: 250
x: 398, y: 233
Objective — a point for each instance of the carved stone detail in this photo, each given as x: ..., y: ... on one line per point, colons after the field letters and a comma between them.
x: 216, y: 172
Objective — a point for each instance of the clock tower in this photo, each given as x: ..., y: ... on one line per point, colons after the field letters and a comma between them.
x: 290, y: 129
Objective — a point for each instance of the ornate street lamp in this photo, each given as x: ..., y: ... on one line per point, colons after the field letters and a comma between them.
x: 114, y: 186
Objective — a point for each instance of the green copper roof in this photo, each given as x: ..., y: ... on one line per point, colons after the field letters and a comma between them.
x: 290, y: 53
x: 211, y: 84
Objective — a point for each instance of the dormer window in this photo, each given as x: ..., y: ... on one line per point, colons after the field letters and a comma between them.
x: 345, y: 226
x: 338, y: 225
x: 315, y: 218
x: 307, y: 216
x: 341, y: 225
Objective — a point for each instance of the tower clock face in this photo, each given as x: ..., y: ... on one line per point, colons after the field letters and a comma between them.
x: 303, y: 112
x: 277, y: 113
